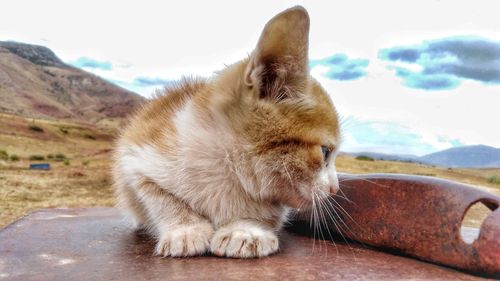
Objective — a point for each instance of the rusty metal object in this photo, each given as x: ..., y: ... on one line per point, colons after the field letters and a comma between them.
x: 99, y: 244
x: 421, y: 217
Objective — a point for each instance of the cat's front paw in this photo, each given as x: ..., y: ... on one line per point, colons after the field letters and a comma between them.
x: 185, y: 240
x: 244, y: 241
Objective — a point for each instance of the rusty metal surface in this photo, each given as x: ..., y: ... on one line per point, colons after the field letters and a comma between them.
x: 421, y: 217
x: 98, y: 244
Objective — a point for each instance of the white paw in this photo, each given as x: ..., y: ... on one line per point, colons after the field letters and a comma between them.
x: 244, y: 241
x: 185, y: 240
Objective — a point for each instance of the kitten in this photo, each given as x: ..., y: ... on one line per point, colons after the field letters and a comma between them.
x: 216, y: 165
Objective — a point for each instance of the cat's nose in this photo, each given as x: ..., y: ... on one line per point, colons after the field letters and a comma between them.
x: 334, y: 189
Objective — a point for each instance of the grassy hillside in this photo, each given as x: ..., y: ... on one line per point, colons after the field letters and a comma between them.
x: 81, y: 178
x: 79, y: 156
x: 34, y: 82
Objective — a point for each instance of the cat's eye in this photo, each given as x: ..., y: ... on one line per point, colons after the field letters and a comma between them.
x: 326, y: 154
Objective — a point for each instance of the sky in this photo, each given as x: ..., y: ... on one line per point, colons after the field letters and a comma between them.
x: 406, y: 77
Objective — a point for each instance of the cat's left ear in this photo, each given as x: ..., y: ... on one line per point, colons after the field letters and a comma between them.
x: 278, y: 67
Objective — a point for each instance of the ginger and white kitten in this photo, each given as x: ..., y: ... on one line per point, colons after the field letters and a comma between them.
x: 215, y: 165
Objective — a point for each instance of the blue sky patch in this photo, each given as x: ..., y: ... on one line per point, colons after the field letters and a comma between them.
x: 417, y: 80
x: 85, y: 62
x: 143, y: 83
x: 151, y: 81
x: 387, y: 137
x: 341, y: 67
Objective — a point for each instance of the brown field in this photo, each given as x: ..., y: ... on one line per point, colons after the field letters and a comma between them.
x: 477, y: 177
x: 79, y: 180
x: 83, y: 179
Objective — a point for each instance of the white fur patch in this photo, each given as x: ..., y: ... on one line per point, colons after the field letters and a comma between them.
x: 182, y: 241
x: 334, y: 178
x: 244, y: 239
x: 324, y: 177
x: 139, y: 161
x: 183, y: 119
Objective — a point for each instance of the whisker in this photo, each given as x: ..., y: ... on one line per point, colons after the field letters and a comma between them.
x: 337, y: 215
x: 287, y: 173
x: 320, y: 231
x: 353, y: 178
x: 344, y: 198
x: 328, y: 228
x: 322, y: 222
x: 313, y: 220
x: 344, y: 195
x: 340, y: 230
x: 338, y: 226
x: 342, y: 210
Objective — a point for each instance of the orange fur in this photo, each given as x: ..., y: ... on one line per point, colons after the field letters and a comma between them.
x: 216, y: 164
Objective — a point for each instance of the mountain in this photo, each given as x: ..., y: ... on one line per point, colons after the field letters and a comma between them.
x: 474, y: 156
x: 34, y: 82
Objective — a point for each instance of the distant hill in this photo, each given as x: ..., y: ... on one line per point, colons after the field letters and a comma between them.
x: 474, y: 156
x: 34, y: 82
x: 388, y: 157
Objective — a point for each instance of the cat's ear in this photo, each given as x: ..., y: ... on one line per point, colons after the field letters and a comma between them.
x: 278, y: 67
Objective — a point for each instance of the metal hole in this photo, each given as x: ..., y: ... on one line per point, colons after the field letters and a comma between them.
x: 474, y: 218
